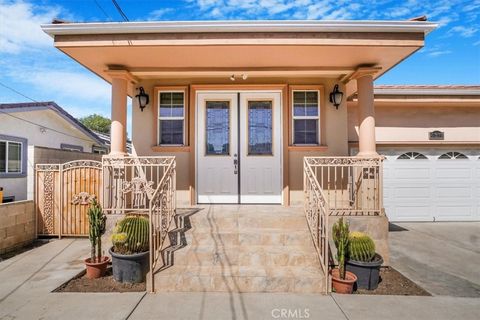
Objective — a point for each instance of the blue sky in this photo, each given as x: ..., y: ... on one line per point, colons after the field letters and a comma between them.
x: 30, y: 64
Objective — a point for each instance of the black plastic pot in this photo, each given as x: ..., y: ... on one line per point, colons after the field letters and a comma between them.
x: 131, y: 268
x: 367, y: 272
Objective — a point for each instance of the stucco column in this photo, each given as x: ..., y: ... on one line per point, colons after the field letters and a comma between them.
x: 366, y: 117
x: 119, y: 116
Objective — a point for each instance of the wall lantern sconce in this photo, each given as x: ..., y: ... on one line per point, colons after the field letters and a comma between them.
x: 336, y: 96
x: 143, y: 98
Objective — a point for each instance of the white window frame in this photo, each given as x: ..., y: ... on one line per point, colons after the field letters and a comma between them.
x: 294, y: 117
x: 170, y: 118
x: 6, y: 157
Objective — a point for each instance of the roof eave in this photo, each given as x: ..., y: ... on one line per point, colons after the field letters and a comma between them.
x: 238, y: 26
x: 428, y: 92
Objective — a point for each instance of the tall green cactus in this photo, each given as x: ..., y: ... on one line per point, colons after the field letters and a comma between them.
x: 361, y: 247
x: 131, y: 235
x: 340, y: 232
x: 97, y: 221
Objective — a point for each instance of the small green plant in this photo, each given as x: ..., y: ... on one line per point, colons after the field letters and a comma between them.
x: 97, y: 221
x: 131, y: 235
x: 361, y: 247
x: 340, y: 233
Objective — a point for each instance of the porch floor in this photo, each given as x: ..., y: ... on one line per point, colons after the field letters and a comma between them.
x: 240, y: 248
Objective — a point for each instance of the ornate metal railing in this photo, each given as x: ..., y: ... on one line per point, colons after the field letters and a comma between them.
x: 161, y: 212
x: 353, y: 186
x: 130, y: 182
x: 317, y: 212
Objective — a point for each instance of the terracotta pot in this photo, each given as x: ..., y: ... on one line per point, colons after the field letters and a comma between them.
x: 96, y: 269
x: 343, y: 285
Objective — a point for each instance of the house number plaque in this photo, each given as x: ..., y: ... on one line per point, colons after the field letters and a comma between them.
x: 436, y: 135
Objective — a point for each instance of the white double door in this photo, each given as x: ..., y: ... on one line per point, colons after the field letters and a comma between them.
x: 239, y: 147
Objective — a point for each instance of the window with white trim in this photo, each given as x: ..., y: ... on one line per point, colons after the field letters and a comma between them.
x: 452, y: 156
x: 171, y: 118
x: 306, y: 117
x: 412, y: 156
x: 10, y: 156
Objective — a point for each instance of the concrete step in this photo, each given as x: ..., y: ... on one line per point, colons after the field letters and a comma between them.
x: 209, y: 283
x: 274, y: 256
x: 242, y: 271
x: 249, y: 237
x: 241, y: 249
x: 241, y: 222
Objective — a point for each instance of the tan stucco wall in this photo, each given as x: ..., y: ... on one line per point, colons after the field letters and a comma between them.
x: 400, y: 123
x: 335, y: 134
x: 17, y: 225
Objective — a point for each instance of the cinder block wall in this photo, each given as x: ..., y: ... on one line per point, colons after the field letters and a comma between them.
x: 17, y: 225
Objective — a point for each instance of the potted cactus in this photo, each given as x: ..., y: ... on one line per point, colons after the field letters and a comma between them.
x: 96, y: 265
x: 363, y: 261
x: 342, y: 280
x: 130, y: 250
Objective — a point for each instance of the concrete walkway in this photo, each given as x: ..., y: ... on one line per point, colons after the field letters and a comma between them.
x: 442, y: 257
x: 26, y: 282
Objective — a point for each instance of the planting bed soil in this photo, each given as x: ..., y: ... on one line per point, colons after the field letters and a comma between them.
x: 393, y: 282
x: 80, y: 283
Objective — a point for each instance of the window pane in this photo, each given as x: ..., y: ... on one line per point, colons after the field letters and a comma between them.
x: 177, y: 110
x: 165, y: 111
x: 260, y: 128
x: 171, y: 132
x: 218, y: 128
x: 171, y: 104
x: 177, y: 98
x: 3, y: 156
x: 312, y: 97
x: 311, y: 110
x: 305, y: 131
x: 299, y: 97
x: 166, y: 98
x: 299, y: 110
x: 14, y: 157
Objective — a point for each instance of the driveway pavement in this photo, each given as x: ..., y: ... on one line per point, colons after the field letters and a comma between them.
x: 26, y: 282
x: 442, y: 257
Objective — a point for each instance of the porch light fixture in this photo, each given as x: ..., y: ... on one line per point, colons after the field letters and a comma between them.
x: 336, y: 96
x: 143, y: 98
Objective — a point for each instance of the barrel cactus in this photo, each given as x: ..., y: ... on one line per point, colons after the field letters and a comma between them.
x: 131, y: 235
x: 361, y: 247
x: 340, y: 234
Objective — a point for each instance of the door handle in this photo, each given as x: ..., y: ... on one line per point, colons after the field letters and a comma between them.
x: 235, y: 164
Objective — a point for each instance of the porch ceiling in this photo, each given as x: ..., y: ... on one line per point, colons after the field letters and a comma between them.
x: 218, y: 49
x: 222, y: 60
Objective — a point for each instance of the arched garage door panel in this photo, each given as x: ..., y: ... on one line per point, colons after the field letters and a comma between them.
x: 431, y: 189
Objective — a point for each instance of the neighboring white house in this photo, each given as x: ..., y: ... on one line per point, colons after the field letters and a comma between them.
x: 38, y: 124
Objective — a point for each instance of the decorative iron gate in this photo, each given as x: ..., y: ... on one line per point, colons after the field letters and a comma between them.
x: 63, y: 193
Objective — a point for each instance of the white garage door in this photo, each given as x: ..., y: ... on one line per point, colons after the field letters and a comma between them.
x: 431, y: 185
